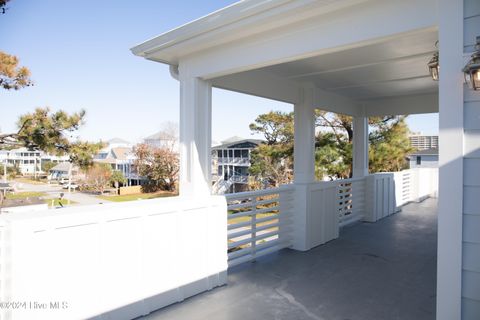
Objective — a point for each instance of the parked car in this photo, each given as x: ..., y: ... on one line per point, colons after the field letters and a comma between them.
x: 72, y: 186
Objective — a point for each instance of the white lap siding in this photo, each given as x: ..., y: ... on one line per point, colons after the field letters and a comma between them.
x: 471, y: 191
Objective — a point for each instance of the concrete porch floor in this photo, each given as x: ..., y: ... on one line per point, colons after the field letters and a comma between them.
x: 374, y: 271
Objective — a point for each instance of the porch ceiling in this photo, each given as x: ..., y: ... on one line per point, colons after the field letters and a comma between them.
x: 393, y: 67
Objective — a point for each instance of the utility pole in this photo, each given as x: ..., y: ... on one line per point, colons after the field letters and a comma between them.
x: 70, y: 177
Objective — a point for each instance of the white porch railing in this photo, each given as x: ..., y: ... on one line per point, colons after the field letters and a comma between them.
x: 234, y: 161
x: 111, y: 261
x: 259, y: 222
x: 351, y: 200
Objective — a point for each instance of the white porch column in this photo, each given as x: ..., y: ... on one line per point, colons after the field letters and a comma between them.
x: 451, y: 175
x: 195, y: 136
x: 360, y: 147
x: 304, y: 150
x: 304, y: 169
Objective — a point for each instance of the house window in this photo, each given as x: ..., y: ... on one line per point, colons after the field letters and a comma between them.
x: 237, y: 153
x: 219, y: 152
x: 419, y: 160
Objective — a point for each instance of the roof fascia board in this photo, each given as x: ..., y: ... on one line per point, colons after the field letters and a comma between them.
x: 235, y: 12
x: 233, y: 23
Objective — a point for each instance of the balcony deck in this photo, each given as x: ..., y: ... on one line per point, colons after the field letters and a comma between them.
x: 384, y: 270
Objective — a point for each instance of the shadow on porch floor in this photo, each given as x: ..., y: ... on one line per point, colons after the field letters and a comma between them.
x: 380, y: 271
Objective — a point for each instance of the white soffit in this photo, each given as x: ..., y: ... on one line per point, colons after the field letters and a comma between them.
x: 394, y: 67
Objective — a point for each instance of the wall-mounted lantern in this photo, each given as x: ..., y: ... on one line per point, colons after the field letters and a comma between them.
x: 433, y: 66
x: 472, y: 68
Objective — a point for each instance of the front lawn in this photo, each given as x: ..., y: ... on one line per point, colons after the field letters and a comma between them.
x: 24, y: 195
x: 139, y: 196
x: 56, y: 202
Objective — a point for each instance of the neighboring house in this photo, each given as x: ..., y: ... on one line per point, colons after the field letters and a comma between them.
x: 231, y: 162
x: 424, y: 159
x: 29, y: 162
x: 61, y: 171
x: 422, y: 142
x: 162, y: 140
x: 119, y: 155
x: 118, y: 143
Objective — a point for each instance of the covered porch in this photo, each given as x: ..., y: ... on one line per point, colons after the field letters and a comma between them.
x: 385, y: 270
x: 349, y: 256
x: 358, y: 58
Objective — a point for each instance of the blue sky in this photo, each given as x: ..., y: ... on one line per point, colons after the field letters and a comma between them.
x: 78, y: 53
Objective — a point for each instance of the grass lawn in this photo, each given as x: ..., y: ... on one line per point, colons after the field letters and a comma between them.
x: 56, y: 202
x: 139, y: 196
x: 23, y: 195
x: 247, y: 218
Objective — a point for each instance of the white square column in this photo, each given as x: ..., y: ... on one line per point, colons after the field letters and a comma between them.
x: 304, y: 143
x: 195, y: 136
x: 304, y: 168
x: 451, y: 152
x: 360, y: 147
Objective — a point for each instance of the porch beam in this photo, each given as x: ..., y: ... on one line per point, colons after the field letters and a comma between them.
x: 360, y: 147
x: 412, y: 104
x: 195, y: 136
x: 332, y: 102
x: 261, y: 84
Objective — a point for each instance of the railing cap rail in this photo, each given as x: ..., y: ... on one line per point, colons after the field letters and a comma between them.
x: 256, y: 193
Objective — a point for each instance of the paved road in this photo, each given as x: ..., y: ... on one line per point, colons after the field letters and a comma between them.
x: 53, y: 191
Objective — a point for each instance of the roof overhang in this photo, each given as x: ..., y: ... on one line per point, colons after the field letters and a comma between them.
x: 362, y: 57
x: 237, y: 21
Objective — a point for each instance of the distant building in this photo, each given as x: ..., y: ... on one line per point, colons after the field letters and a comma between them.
x: 424, y: 159
x: 120, y: 156
x: 162, y: 140
x: 231, y: 162
x: 29, y: 162
x: 422, y: 142
x: 61, y: 171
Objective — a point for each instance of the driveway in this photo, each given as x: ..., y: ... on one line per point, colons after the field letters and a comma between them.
x: 54, y: 190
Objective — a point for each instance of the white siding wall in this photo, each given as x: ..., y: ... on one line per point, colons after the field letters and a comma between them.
x: 471, y: 202
x: 428, y: 161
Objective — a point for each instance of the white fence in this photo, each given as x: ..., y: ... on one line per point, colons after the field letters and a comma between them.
x: 259, y: 222
x: 115, y: 261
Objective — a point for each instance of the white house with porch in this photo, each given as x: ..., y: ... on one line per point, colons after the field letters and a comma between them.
x: 357, y: 57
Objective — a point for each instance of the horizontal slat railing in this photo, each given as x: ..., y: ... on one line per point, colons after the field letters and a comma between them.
x: 351, y: 200
x: 259, y: 222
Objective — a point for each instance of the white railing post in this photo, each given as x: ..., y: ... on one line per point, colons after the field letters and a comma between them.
x: 253, y: 228
x: 370, y: 198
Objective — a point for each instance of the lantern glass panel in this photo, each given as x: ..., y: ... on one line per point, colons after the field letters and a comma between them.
x: 475, y: 79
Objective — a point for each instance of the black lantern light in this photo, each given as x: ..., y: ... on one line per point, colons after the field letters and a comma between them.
x: 433, y: 66
x: 472, y: 69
